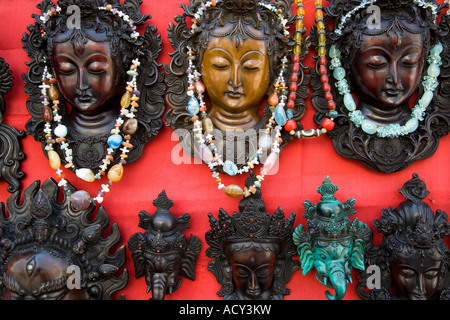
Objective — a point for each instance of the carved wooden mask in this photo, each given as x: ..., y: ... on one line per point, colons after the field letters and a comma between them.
x: 90, y: 63
x: 162, y: 254
x: 252, y: 250
x: 51, y: 251
x: 10, y: 151
x: 412, y: 260
x: 238, y: 49
x: 385, y: 52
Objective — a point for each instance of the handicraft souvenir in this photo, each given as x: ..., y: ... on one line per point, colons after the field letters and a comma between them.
x: 96, y: 95
x: 412, y: 260
x: 236, y: 84
x: 50, y: 250
x: 252, y: 250
x: 331, y: 243
x: 162, y: 254
x: 389, y: 68
x: 10, y: 151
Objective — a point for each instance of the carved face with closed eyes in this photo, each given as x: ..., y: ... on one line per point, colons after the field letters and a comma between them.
x: 237, y: 79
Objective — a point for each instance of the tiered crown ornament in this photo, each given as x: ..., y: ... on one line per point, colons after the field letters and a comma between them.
x: 332, y: 243
x: 10, y: 151
x: 215, y: 135
x: 377, y: 122
x: 90, y: 151
x: 162, y: 253
x: 236, y: 243
x: 414, y: 235
x: 49, y: 250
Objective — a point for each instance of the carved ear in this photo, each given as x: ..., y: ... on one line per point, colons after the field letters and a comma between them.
x: 301, y: 240
x: 357, y: 258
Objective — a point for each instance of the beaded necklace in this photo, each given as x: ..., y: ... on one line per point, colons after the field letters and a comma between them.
x: 52, y: 119
x: 281, y: 103
x: 430, y: 83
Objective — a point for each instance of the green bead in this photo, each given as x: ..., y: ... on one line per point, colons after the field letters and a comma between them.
x: 257, y: 184
x: 339, y: 73
x: 426, y: 99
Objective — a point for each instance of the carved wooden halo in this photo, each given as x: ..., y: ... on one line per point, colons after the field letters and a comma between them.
x: 45, y: 221
x: 177, y: 116
x: 162, y: 239
x: 10, y: 150
x: 384, y: 154
x: 150, y: 84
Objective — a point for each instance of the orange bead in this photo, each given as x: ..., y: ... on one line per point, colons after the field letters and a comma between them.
x: 273, y: 100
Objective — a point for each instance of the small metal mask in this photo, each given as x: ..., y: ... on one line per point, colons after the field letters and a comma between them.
x: 252, y: 250
x: 162, y: 253
x: 412, y: 259
x: 332, y: 243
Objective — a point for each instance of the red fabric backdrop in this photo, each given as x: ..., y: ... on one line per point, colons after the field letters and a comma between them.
x: 303, y: 166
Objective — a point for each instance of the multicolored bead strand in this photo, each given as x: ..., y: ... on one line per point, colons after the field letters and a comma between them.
x: 125, y: 123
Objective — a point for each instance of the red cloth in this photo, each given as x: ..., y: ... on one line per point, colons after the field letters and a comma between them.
x: 304, y: 164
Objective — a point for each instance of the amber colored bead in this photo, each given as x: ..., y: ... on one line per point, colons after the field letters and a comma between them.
x: 320, y: 25
x: 46, y: 114
x: 319, y: 13
x: 297, y: 49
x: 130, y: 126
x: 53, y: 93
x: 318, y: 2
x: 273, y: 100
x: 300, y: 11
x: 328, y: 96
x: 54, y: 160
x: 331, y: 105
x: 298, y: 37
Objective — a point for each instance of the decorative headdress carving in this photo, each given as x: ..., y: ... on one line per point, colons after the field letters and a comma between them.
x: 163, y: 239
x: 10, y: 152
x: 329, y: 225
x: 410, y: 228
x: 251, y: 225
x: 45, y: 228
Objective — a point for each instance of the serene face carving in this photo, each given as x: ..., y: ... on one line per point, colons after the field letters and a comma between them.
x: 87, y: 75
x: 236, y: 79
x: 38, y: 276
x: 416, y: 276
x: 388, y: 68
x: 253, y: 268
